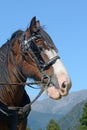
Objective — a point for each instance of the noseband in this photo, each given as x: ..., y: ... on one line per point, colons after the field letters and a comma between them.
x: 31, y: 46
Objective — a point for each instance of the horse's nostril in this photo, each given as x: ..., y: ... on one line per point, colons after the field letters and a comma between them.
x: 64, y: 85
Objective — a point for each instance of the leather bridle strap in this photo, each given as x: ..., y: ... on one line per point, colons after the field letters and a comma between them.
x: 21, y: 112
x: 31, y: 46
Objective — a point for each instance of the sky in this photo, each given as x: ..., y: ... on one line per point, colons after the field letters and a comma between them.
x: 66, y: 23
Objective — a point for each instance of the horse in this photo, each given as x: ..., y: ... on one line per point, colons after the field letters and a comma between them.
x: 29, y: 54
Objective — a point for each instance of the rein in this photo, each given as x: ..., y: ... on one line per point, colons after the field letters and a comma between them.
x: 23, y: 83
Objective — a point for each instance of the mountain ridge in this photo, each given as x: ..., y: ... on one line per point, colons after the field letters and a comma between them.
x: 60, y: 105
x: 43, y: 111
x: 72, y: 118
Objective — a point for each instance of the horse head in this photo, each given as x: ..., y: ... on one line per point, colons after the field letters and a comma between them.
x: 41, y: 61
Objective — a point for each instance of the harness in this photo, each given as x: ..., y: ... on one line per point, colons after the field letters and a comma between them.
x: 17, y: 114
x: 8, y: 115
x: 31, y: 46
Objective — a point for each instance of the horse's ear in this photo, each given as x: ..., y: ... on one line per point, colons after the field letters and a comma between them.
x: 38, y: 24
x: 34, y: 25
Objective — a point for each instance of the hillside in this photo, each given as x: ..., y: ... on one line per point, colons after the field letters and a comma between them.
x: 43, y: 111
x: 38, y: 120
x: 62, y: 106
x: 71, y: 120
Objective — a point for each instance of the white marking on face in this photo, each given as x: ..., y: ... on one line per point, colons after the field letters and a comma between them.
x: 59, y: 78
x: 58, y: 65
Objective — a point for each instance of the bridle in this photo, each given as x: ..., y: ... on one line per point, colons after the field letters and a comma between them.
x: 31, y: 46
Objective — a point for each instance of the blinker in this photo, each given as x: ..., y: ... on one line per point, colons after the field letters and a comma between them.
x: 25, y: 44
x: 35, y: 52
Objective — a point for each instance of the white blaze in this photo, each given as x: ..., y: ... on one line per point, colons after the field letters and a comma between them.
x: 59, y: 79
x: 58, y: 65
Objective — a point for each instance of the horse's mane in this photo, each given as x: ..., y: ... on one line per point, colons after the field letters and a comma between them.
x: 4, y: 51
x: 14, y: 36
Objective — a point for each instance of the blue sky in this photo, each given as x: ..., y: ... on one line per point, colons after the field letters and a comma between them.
x: 64, y: 20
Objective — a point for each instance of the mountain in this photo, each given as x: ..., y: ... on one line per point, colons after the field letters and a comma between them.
x: 71, y: 120
x: 62, y: 106
x: 38, y: 120
x: 46, y: 109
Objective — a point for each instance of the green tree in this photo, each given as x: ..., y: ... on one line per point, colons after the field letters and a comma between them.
x: 28, y: 129
x: 83, y: 119
x: 52, y: 125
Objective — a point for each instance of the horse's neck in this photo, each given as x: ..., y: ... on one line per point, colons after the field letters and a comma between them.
x: 11, y: 94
